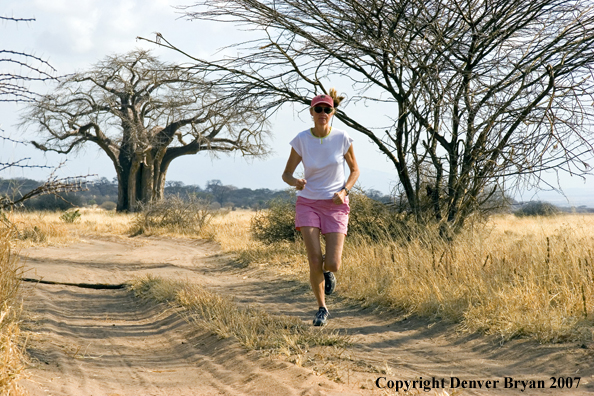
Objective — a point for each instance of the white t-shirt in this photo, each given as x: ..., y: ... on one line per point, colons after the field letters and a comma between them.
x: 323, y: 161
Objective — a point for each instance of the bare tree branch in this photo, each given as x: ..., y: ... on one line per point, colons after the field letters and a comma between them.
x: 27, y: 67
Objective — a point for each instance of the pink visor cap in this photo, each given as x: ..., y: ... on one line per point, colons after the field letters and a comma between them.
x: 322, y: 99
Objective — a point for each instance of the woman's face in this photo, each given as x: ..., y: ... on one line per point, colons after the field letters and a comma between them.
x: 321, y: 118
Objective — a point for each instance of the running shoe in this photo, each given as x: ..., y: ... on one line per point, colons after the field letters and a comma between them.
x: 329, y: 283
x: 321, y: 317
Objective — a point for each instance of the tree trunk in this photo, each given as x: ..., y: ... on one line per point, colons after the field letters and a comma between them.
x: 146, y: 178
x: 140, y: 182
x: 123, y: 171
x: 159, y: 188
x: 160, y: 173
x: 141, y: 179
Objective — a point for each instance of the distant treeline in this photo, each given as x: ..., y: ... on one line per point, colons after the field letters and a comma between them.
x: 103, y: 193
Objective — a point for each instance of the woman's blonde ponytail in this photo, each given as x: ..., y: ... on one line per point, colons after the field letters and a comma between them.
x: 334, y: 95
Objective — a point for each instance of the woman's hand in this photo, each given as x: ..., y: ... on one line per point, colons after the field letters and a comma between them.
x: 300, y: 184
x: 339, y: 197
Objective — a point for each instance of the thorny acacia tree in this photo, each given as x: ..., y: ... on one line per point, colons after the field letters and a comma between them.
x: 144, y: 114
x: 14, y: 88
x: 477, y: 91
x: 31, y: 68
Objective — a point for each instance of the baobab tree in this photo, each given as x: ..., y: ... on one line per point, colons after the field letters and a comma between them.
x: 474, y: 92
x: 143, y: 114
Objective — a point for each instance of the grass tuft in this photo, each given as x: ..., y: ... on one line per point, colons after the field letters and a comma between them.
x: 253, y: 328
x: 174, y: 215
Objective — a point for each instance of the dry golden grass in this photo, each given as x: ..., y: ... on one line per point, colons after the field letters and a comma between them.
x: 253, y: 328
x: 46, y: 228
x: 514, y: 277
x: 232, y: 232
x: 11, y: 355
x: 510, y: 277
x: 37, y: 228
x: 101, y: 222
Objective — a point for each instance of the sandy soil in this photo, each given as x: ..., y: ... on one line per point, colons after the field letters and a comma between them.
x: 107, y: 342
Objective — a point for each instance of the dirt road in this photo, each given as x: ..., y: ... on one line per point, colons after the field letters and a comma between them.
x: 107, y: 342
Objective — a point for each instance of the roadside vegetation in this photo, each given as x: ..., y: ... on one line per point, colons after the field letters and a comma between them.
x: 12, y: 360
x: 173, y: 215
x: 42, y: 228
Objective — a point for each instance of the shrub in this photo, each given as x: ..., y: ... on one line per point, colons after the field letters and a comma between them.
x: 537, y: 208
x: 368, y: 218
x: 70, y: 216
x: 108, y: 205
x: 34, y: 234
x: 173, y: 214
x: 378, y: 221
x: 277, y: 223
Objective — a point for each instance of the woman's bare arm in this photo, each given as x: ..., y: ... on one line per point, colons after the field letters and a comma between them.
x: 293, y: 161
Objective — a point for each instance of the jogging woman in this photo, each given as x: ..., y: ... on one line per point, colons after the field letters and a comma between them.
x: 322, y: 195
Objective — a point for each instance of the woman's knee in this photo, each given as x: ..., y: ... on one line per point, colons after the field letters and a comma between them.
x: 315, y: 263
x: 332, y: 265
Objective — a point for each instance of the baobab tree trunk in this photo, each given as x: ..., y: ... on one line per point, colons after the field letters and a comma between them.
x: 160, y: 177
x: 140, y: 181
x: 138, y: 173
x: 160, y: 172
x: 145, y: 192
x: 142, y: 174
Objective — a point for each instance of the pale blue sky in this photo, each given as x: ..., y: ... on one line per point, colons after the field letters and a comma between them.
x: 73, y: 34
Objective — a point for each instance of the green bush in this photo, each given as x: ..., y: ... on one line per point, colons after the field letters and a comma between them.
x: 537, y: 208
x: 70, y: 216
x: 277, y: 223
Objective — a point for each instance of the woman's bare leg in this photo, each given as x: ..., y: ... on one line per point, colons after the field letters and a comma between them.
x: 334, y: 245
x: 311, y: 237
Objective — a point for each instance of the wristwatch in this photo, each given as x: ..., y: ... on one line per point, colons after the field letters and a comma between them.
x: 346, y: 189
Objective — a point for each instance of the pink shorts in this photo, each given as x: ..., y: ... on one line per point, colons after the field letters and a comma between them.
x: 323, y: 214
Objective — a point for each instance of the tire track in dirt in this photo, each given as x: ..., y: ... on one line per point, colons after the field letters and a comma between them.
x: 384, y: 343
x: 97, y: 342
